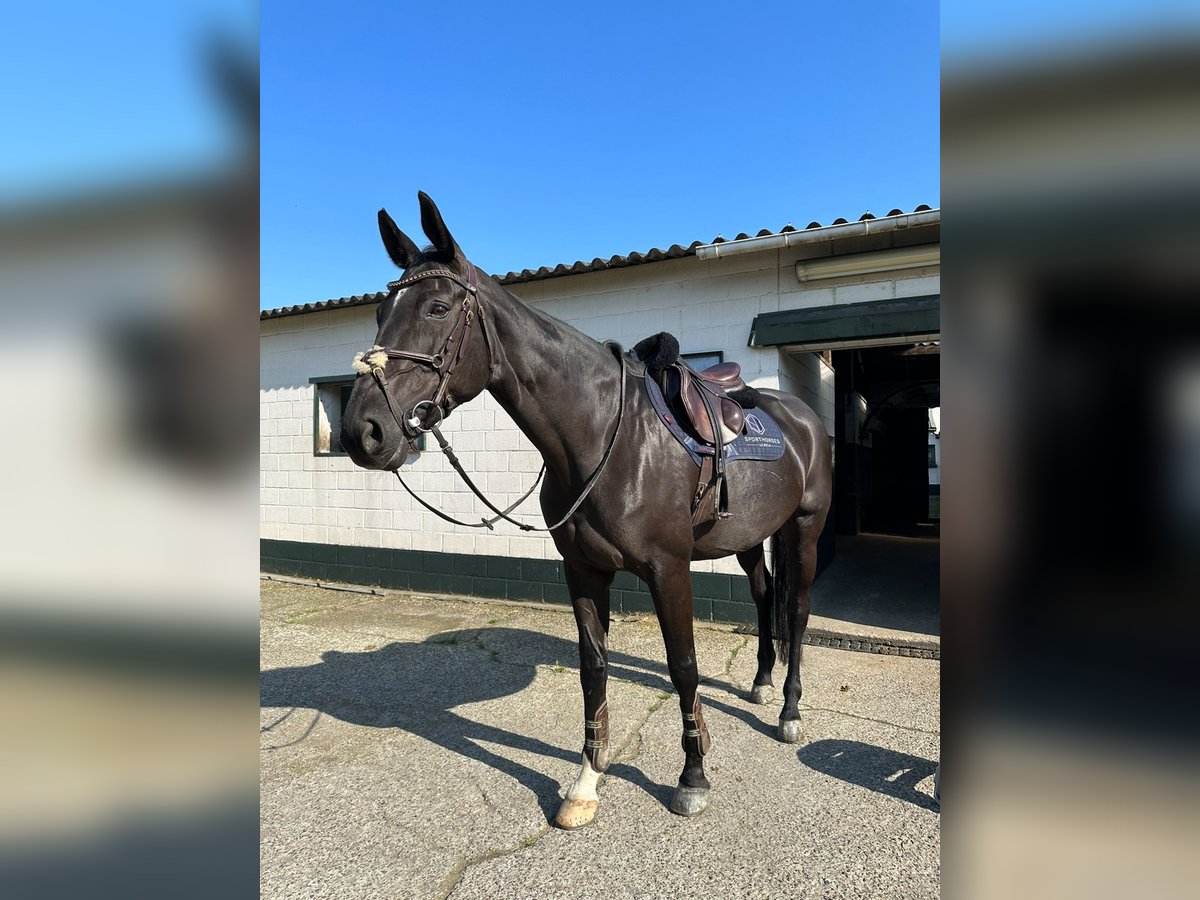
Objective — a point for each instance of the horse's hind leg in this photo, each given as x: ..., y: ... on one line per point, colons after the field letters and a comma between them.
x: 671, y: 588
x: 589, y: 597
x: 799, y: 550
x: 753, y: 563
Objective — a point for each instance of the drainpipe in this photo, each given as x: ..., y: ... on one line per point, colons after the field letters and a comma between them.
x: 818, y: 235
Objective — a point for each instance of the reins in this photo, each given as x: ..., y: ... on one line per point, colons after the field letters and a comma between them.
x: 444, y: 362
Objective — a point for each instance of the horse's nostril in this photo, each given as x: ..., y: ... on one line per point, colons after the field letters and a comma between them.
x: 371, y: 435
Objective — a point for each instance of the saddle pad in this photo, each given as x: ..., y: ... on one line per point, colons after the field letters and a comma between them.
x: 762, y: 439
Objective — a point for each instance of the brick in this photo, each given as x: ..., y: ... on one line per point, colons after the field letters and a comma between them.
x: 299, y: 550
x: 457, y: 584
x: 492, y: 462
x: 635, y: 601
x: 394, y: 579
x: 627, y: 581
x: 323, y: 553
x: 269, y: 547
x: 423, y: 540
x: 363, y: 575
x: 490, y: 587
x: 728, y: 611
x: 556, y: 593
x: 710, y: 586
x: 739, y: 590
x: 543, y: 570
x: 407, y: 560
x: 337, y: 572
x: 281, y: 566
x: 351, y: 556
x: 520, y: 589
x: 470, y: 565
x: 376, y: 558
x: 425, y: 581
x: 503, y: 567
x: 440, y: 563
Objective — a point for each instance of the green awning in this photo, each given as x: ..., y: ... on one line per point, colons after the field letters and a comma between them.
x: 848, y: 322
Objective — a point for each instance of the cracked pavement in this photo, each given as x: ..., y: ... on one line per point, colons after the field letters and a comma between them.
x: 419, y: 747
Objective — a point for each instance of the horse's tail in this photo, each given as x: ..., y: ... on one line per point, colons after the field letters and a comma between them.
x: 782, y: 609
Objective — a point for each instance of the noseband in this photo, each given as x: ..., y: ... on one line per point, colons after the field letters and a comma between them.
x: 444, y: 362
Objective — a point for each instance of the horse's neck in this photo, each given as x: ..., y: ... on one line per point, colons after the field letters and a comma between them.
x: 559, y: 386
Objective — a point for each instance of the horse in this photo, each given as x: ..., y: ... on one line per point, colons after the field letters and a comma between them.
x: 618, y: 487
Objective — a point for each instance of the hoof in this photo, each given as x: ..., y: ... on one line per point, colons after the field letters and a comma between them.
x: 762, y: 694
x: 689, y: 801
x: 789, y: 731
x: 576, y: 813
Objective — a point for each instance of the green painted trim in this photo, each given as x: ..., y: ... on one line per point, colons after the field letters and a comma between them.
x: 325, y: 379
x: 716, y: 597
x: 851, y: 321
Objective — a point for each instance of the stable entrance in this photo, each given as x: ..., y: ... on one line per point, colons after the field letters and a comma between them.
x: 879, y: 560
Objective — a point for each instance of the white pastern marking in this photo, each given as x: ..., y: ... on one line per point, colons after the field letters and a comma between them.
x: 584, y: 787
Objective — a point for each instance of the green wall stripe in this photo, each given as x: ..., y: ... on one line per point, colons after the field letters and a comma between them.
x: 722, y: 598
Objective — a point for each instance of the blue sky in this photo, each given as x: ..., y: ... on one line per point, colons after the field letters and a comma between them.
x: 553, y: 133
x: 548, y: 133
x: 103, y: 95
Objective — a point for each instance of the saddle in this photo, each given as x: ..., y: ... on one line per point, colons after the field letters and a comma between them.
x: 711, y: 385
x: 711, y: 404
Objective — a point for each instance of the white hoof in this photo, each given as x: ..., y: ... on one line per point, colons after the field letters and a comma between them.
x: 689, y: 801
x: 576, y: 813
x: 762, y: 694
x: 789, y: 731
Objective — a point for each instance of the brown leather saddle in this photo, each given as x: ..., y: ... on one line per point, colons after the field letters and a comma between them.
x: 712, y: 385
x: 711, y: 404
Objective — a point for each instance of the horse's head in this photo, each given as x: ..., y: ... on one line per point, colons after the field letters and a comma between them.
x: 432, y: 350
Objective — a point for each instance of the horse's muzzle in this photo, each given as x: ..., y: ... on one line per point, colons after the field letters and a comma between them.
x: 368, y: 445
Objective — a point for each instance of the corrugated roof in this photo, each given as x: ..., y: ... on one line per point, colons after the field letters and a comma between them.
x: 654, y: 254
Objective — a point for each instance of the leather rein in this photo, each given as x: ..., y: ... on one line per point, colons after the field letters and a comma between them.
x: 444, y: 363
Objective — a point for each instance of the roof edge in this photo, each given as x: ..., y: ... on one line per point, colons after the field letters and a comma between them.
x: 718, y: 246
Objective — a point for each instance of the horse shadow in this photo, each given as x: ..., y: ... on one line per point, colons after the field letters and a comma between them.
x: 875, y: 768
x: 416, y: 687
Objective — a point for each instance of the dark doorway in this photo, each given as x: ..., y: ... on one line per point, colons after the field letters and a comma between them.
x: 882, y: 478
x: 900, y: 499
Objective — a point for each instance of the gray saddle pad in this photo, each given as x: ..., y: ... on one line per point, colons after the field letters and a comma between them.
x: 762, y: 439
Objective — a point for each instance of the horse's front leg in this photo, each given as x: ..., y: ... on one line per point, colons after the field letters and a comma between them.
x: 589, y: 597
x: 671, y: 588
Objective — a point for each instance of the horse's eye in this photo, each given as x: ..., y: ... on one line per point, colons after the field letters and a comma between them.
x: 439, y: 310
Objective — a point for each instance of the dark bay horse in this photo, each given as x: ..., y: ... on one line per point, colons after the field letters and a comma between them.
x: 447, y: 332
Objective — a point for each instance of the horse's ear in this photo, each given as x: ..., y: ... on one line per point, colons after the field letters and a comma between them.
x: 402, y: 250
x: 436, y: 230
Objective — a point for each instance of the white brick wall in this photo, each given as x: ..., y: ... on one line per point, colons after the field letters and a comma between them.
x: 708, y: 304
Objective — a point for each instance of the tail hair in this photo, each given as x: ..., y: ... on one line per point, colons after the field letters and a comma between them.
x: 782, y: 609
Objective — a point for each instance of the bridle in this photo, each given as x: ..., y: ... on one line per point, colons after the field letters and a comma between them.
x: 444, y: 362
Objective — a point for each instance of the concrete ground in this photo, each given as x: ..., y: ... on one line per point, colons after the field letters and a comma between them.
x: 417, y: 747
x: 882, y: 581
